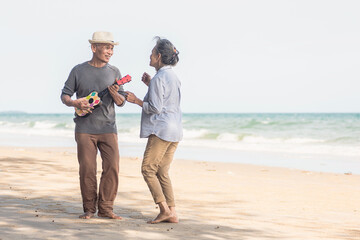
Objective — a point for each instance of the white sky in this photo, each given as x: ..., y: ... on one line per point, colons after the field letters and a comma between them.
x: 235, y: 56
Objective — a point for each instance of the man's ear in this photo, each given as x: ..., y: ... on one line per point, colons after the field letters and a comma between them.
x: 93, y: 48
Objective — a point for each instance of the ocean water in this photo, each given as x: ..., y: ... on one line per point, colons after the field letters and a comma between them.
x: 315, y: 142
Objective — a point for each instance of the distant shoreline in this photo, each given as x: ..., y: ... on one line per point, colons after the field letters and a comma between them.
x: 186, y: 113
x: 314, y: 142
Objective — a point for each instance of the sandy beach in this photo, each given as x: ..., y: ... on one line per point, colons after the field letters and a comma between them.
x: 40, y: 199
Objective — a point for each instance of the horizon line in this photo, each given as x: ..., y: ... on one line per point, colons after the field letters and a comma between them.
x: 23, y: 112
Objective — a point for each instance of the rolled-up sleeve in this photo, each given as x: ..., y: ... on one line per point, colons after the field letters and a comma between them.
x: 154, y: 105
x: 70, y: 84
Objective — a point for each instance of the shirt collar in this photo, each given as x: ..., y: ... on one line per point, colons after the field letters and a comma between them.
x: 164, y: 68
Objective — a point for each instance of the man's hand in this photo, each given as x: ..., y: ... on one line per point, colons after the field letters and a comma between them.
x: 113, y: 89
x: 118, y: 98
x: 82, y: 104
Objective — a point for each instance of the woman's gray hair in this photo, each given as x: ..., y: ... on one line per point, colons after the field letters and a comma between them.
x: 169, y: 54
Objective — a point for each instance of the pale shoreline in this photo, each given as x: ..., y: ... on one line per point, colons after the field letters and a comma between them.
x: 41, y: 200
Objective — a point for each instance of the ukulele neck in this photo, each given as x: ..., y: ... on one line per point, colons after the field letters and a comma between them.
x: 103, y: 93
x: 106, y: 91
x: 119, y: 82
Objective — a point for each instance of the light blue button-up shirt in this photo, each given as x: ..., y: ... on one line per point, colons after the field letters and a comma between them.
x: 161, y: 113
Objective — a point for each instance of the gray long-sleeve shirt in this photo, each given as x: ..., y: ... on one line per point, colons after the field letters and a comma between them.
x: 161, y: 112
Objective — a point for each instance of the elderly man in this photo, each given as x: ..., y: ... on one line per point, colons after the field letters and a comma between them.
x: 98, y: 129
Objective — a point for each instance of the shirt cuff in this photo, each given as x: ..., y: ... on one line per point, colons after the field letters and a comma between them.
x: 145, y: 107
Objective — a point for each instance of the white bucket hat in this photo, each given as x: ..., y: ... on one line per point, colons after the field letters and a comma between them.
x: 103, y: 37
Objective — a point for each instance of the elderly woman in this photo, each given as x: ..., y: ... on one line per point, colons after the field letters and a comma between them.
x: 161, y: 124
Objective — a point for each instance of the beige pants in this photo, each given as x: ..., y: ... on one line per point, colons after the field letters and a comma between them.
x: 155, y: 169
x: 87, y: 146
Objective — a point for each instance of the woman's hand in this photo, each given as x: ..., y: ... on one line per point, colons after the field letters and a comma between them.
x: 131, y: 97
x: 146, y: 78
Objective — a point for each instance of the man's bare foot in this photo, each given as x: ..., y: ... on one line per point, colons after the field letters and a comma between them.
x: 109, y: 215
x: 86, y: 215
x: 162, y: 217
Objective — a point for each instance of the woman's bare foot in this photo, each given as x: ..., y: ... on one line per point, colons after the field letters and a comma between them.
x: 86, y: 215
x: 109, y: 215
x: 162, y: 217
x: 173, y: 219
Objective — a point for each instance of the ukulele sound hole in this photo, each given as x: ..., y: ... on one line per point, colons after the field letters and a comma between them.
x: 91, y: 100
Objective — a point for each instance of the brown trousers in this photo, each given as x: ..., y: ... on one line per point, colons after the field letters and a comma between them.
x: 87, y: 146
x: 155, y: 169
